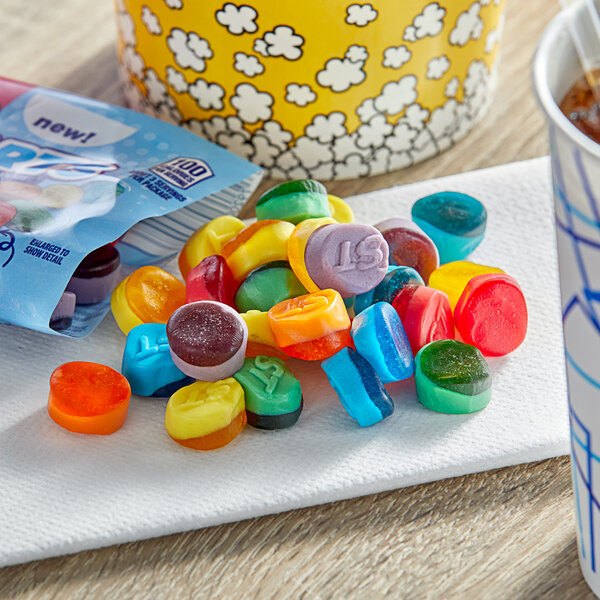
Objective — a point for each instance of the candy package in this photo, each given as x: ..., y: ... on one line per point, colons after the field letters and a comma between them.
x: 77, y: 175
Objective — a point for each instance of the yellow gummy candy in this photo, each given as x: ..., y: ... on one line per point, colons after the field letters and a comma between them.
x: 208, y: 240
x: 203, y: 407
x: 125, y: 317
x: 453, y: 277
x: 297, y: 249
x: 340, y: 211
x: 267, y: 242
x: 259, y: 330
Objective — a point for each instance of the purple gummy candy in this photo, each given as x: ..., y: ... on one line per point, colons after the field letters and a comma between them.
x: 96, y: 275
x: 410, y: 246
x: 207, y: 340
x: 62, y: 317
x: 348, y: 257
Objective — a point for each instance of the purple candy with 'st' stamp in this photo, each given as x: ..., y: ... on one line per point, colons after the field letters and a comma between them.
x: 348, y: 257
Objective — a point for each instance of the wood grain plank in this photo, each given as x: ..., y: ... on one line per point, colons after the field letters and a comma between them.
x: 503, y: 534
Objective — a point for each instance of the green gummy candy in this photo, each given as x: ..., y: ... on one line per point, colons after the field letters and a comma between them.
x: 270, y: 388
x: 266, y: 286
x: 29, y: 217
x: 294, y: 201
x: 452, y: 377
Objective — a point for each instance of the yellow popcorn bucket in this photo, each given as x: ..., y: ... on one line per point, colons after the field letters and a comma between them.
x: 328, y: 90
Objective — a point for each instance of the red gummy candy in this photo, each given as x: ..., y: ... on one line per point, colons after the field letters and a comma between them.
x: 211, y: 279
x: 426, y: 315
x: 491, y: 314
x: 320, y: 348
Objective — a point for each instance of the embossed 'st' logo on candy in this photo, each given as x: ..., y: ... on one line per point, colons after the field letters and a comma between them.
x: 262, y: 366
x: 348, y: 257
x: 149, y: 352
x: 361, y: 256
x: 200, y: 396
x: 311, y: 319
x: 302, y: 305
x: 206, y: 415
x: 273, y: 395
x: 147, y: 362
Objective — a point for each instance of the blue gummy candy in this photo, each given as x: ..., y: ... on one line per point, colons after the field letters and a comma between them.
x: 379, y: 337
x: 359, y: 389
x: 396, y: 278
x: 454, y: 221
x: 147, y: 362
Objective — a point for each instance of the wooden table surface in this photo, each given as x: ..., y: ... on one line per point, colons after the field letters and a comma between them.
x: 503, y: 534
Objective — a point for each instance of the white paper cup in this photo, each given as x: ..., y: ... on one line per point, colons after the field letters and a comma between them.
x: 576, y: 178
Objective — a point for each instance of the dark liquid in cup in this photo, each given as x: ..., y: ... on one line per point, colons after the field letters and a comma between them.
x: 580, y: 106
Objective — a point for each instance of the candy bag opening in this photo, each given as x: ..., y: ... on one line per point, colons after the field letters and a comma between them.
x: 77, y: 174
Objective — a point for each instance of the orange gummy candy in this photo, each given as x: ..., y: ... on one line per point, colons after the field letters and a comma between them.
x: 321, y: 348
x: 153, y: 294
x: 308, y: 317
x: 217, y: 439
x: 88, y: 397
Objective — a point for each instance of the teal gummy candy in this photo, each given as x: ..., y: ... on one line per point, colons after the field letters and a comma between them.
x: 29, y: 217
x: 273, y: 395
x: 452, y: 377
x: 147, y: 362
x: 266, y: 286
x: 359, y: 389
x: 294, y: 201
x: 455, y: 222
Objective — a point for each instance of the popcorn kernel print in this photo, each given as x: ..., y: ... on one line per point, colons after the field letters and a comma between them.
x: 364, y: 88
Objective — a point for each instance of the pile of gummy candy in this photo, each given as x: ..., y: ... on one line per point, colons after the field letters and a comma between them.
x: 372, y: 304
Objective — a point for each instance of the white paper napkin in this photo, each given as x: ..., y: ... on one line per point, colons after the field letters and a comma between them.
x: 62, y: 492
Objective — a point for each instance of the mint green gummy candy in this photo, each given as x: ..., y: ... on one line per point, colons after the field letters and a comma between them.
x: 294, y: 201
x: 273, y: 395
x: 267, y: 286
x: 452, y: 377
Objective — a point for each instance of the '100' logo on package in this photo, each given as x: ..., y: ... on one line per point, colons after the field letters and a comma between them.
x: 76, y: 174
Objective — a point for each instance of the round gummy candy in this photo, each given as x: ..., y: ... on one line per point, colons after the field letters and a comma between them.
x: 266, y: 286
x: 206, y: 415
x: 87, y: 397
x: 348, y: 257
x: 425, y: 314
x: 273, y: 395
x: 410, y: 246
x: 491, y: 314
x: 207, y: 340
x: 452, y: 377
x: 294, y: 201
x: 454, y: 221
x: 211, y: 279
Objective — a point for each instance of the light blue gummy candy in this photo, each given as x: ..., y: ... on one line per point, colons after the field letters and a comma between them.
x: 359, y: 389
x: 379, y: 337
x: 455, y: 222
x: 147, y: 362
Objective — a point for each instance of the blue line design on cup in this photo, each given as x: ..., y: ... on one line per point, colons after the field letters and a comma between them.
x: 586, y: 299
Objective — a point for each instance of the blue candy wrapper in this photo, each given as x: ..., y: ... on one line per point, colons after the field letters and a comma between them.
x: 76, y: 174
